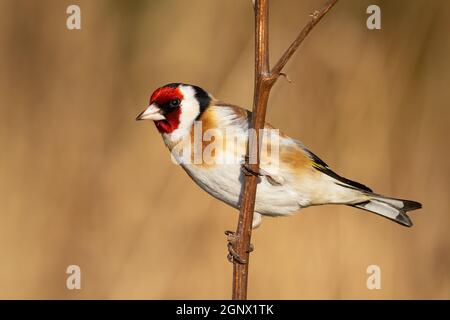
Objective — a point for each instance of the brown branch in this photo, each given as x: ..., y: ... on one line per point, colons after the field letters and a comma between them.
x: 264, y: 80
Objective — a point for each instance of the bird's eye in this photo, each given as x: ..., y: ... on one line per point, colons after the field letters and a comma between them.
x: 175, y: 102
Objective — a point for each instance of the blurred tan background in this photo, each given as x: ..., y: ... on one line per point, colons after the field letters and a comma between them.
x: 82, y: 183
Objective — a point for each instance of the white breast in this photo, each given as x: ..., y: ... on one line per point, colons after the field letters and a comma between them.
x: 224, y: 182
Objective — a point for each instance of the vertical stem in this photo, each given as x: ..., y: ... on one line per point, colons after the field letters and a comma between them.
x: 261, y: 95
x: 264, y: 80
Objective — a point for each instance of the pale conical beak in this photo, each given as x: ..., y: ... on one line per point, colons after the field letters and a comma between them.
x: 151, y: 113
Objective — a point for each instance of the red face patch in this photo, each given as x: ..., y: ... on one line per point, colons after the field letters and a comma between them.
x: 163, y: 95
x: 162, y: 98
x: 171, y: 123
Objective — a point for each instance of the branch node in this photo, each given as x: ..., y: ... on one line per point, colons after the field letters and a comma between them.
x: 270, y: 78
x: 286, y: 77
x: 314, y: 15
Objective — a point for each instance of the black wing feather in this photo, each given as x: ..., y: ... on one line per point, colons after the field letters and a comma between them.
x: 324, y: 168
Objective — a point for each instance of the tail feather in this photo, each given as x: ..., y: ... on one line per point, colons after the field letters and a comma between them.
x: 391, y: 208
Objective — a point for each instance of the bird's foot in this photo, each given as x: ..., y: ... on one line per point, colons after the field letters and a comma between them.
x: 233, y: 256
x: 272, y: 179
x: 248, y: 171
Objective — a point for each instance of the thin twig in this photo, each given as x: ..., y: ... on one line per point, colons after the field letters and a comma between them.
x: 264, y: 80
x: 316, y: 16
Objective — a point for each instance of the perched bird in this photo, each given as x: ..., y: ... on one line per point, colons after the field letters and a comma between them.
x: 290, y: 178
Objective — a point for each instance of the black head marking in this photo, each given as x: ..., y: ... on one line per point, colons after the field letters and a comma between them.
x: 203, y: 98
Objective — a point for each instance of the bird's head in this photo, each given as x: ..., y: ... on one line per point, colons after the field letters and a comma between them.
x: 175, y: 106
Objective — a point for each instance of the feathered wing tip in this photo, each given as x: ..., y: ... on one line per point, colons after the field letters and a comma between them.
x: 391, y: 208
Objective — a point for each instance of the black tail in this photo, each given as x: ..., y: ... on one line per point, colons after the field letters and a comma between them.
x: 391, y: 208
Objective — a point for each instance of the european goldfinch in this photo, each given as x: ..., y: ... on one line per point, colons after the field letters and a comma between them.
x: 291, y: 178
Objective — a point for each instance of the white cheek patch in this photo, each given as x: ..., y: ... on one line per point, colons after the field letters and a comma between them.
x: 190, y: 108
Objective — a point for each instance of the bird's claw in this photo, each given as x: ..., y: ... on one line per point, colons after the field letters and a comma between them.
x: 233, y: 256
x: 273, y: 180
x: 231, y: 236
x: 249, y: 171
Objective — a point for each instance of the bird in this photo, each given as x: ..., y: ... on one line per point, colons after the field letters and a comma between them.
x: 290, y: 177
